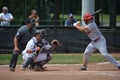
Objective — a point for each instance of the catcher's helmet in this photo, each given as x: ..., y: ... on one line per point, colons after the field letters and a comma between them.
x: 43, y: 33
x: 37, y: 32
x: 87, y: 17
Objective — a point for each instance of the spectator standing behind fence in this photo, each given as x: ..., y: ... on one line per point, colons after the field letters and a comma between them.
x: 5, y: 17
x: 70, y: 21
x: 35, y: 16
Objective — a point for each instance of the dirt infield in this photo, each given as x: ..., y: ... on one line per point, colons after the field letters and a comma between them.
x: 63, y: 72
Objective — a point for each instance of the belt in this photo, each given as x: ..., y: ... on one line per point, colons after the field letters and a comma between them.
x: 96, y: 39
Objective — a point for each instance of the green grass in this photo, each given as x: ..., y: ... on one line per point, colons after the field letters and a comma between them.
x: 66, y: 59
x: 5, y: 59
x: 60, y: 59
x: 65, y: 16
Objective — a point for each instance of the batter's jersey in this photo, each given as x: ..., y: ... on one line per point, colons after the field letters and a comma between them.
x: 24, y: 34
x: 93, y: 32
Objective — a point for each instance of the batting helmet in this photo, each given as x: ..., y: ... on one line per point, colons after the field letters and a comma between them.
x: 87, y: 17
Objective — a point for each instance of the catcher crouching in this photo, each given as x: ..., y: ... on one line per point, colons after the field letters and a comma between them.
x: 38, y: 52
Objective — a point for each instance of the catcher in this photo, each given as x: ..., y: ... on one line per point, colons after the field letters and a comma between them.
x: 38, y: 51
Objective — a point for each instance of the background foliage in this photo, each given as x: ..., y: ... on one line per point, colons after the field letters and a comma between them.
x: 47, y: 7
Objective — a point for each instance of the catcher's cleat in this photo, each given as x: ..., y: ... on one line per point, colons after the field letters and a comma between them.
x: 12, y: 69
x: 44, y: 68
x: 31, y: 67
x: 23, y: 69
x: 39, y: 68
x: 83, y: 68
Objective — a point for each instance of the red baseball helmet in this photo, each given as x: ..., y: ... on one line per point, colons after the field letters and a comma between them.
x: 87, y: 17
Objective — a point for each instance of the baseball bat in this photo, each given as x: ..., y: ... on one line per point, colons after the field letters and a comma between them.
x: 98, y: 11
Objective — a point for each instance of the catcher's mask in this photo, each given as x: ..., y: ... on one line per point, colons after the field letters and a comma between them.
x: 87, y: 17
x: 43, y: 33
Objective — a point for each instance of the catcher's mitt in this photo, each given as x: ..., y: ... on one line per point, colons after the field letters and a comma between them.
x: 55, y: 42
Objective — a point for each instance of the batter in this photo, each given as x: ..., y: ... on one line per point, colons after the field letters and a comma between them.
x: 97, y: 41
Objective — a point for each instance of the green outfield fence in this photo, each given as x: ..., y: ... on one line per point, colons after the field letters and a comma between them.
x: 71, y: 39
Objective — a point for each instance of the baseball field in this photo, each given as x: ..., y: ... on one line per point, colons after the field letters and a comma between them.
x: 63, y: 67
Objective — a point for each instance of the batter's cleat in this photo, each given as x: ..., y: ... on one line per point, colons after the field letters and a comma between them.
x: 119, y: 67
x: 12, y: 69
x: 83, y: 68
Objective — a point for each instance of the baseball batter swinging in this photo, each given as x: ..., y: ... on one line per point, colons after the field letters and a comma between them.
x: 97, y: 41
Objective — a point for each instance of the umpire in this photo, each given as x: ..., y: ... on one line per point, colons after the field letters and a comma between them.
x: 24, y: 34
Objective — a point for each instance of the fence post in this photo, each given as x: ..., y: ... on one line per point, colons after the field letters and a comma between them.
x: 112, y: 13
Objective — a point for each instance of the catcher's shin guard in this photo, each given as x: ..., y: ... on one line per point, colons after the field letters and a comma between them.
x: 27, y: 62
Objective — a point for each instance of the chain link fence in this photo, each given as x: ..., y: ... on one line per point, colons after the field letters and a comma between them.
x: 71, y: 39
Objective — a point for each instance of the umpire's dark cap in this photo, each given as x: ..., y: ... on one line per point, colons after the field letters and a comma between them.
x: 30, y: 20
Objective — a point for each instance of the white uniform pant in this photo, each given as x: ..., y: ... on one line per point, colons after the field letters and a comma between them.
x: 101, y: 46
x: 40, y: 57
